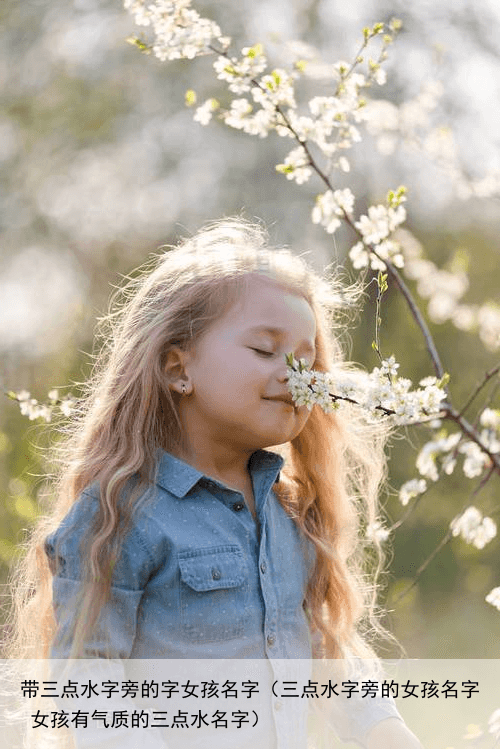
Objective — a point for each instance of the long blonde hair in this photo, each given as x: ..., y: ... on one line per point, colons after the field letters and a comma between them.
x: 334, y: 468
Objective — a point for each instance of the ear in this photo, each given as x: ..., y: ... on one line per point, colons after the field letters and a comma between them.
x: 175, y: 368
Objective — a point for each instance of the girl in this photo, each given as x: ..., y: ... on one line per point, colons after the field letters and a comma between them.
x: 177, y: 532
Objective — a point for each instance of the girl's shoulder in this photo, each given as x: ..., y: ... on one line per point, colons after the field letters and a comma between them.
x: 142, y: 545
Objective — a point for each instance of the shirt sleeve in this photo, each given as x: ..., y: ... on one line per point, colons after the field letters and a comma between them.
x: 111, y: 639
x: 114, y: 632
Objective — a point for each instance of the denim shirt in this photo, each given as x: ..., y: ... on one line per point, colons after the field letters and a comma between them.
x: 197, y: 578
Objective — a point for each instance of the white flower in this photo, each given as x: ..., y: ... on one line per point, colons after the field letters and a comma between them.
x: 296, y: 166
x: 375, y: 226
x: 330, y: 207
x: 490, y: 419
x: 474, y: 528
x: 240, y: 73
x: 275, y: 89
x: 390, y: 366
x: 203, y: 113
x: 475, y: 459
x: 239, y: 111
x: 493, y: 597
x: 53, y: 395
x: 465, y: 316
x: 426, y: 460
x: 411, y: 489
x: 344, y: 164
x: 359, y: 255
x: 489, y: 325
x: 376, y: 531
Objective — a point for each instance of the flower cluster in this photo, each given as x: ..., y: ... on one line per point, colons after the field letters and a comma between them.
x: 380, y: 393
x: 443, y: 448
x: 272, y: 92
x: 444, y: 289
x: 271, y: 104
x: 411, y: 124
x: 374, y: 228
x: 31, y: 408
x: 331, y: 207
x: 474, y: 528
x: 440, y: 449
x: 241, y: 74
x: 180, y: 32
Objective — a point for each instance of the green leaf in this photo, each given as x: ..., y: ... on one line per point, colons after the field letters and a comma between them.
x: 442, y: 383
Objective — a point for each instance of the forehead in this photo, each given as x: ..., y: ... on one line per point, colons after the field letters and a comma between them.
x: 266, y: 305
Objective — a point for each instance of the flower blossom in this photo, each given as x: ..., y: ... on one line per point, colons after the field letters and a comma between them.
x: 475, y: 459
x: 380, y: 222
x: 474, y: 528
x: 426, y: 460
x: 296, y: 166
x: 379, y: 393
x: 180, y: 32
x: 330, y: 207
x: 239, y: 74
x: 203, y: 113
x: 411, y: 489
x: 31, y: 408
x: 493, y: 597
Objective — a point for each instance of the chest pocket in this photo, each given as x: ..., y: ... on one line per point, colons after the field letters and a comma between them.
x: 213, y: 593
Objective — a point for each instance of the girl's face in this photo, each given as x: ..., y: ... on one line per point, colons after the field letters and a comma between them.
x: 239, y: 365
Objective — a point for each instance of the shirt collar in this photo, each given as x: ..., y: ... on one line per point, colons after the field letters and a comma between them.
x: 178, y: 477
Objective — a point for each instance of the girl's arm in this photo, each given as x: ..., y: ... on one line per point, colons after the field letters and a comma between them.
x: 392, y: 733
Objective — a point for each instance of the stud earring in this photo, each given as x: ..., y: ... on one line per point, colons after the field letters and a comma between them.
x: 183, y: 389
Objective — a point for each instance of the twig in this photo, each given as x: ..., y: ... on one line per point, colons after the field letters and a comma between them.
x: 479, y: 387
x: 446, y: 538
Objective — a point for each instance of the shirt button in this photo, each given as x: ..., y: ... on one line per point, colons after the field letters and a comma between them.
x: 263, y: 567
x: 271, y: 639
x: 238, y: 506
x: 215, y: 574
x: 278, y: 705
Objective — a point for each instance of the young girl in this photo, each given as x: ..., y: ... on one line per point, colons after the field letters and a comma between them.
x: 200, y: 513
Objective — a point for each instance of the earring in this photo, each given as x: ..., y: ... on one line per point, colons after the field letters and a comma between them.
x: 183, y: 387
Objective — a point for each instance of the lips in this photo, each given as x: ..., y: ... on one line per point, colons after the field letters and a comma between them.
x: 283, y: 399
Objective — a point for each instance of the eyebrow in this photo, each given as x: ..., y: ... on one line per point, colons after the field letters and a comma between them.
x: 277, y: 332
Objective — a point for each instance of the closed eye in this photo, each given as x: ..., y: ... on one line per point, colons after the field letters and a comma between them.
x: 263, y: 353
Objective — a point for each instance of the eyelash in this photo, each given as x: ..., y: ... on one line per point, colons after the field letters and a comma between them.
x: 263, y: 353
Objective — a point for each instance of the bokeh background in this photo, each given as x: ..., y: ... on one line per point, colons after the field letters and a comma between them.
x: 101, y: 163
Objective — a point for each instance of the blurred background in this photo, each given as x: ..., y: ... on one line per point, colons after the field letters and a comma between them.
x: 101, y: 163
